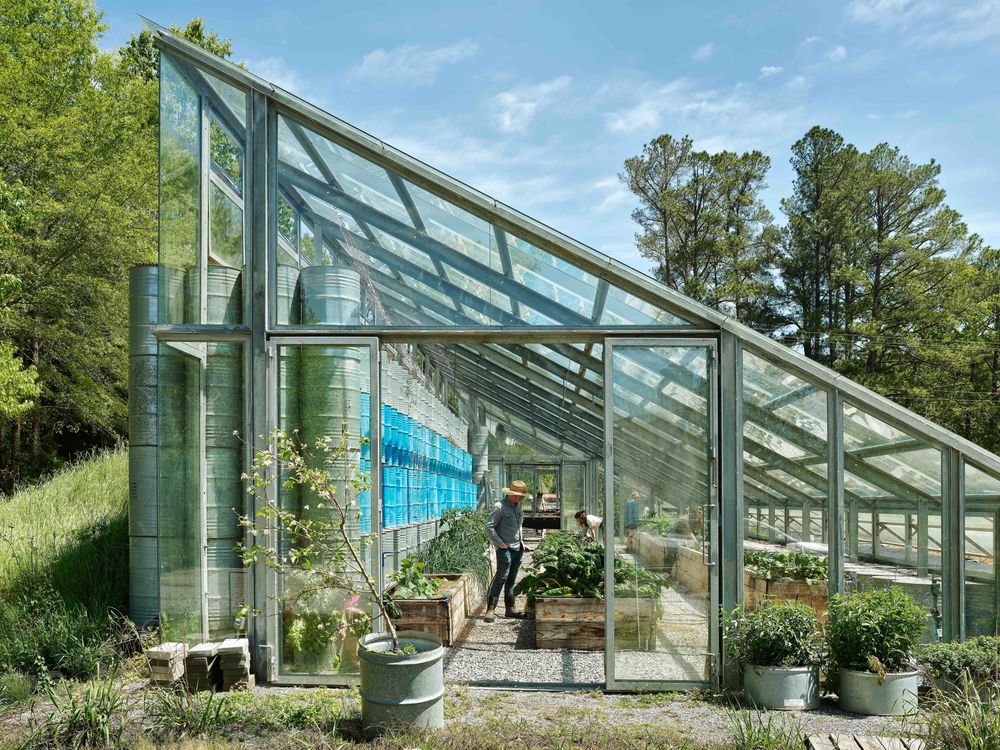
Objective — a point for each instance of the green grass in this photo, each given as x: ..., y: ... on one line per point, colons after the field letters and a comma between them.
x: 64, y: 568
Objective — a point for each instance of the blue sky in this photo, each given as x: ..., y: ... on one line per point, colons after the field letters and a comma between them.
x: 539, y: 103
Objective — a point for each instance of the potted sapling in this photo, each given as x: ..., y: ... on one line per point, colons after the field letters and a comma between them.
x: 330, y: 600
x: 779, y: 649
x: 873, y: 637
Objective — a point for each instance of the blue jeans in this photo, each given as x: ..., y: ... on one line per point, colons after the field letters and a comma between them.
x: 508, y: 563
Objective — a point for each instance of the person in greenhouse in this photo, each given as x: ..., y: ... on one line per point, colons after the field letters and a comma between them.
x: 632, y: 515
x: 503, y: 528
x: 589, y: 523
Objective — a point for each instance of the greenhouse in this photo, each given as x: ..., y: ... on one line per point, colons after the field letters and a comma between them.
x: 312, y: 279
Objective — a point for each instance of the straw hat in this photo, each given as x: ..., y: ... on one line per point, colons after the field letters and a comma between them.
x: 517, y: 487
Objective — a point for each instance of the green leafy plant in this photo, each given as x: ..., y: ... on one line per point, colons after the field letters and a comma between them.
x: 778, y: 634
x: 410, y: 582
x: 965, y: 719
x: 95, y: 718
x: 460, y: 547
x: 174, y: 712
x: 753, y: 730
x: 321, y: 556
x: 977, y: 659
x: 876, y: 630
x: 563, y: 565
x: 795, y: 566
x: 661, y: 525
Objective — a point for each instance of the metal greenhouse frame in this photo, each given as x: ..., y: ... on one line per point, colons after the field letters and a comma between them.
x: 575, y: 353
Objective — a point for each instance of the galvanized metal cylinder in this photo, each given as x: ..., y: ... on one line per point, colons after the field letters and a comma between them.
x: 144, y: 303
x: 479, y: 448
x: 223, y: 296
x: 288, y: 301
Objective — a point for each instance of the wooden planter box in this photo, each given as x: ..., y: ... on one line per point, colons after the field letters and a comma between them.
x: 576, y: 623
x: 756, y: 589
x: 444, y: 616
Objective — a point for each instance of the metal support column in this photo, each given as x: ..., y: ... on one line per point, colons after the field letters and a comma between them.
x: 731, y: 482
x: 835, y: 490
x: 953, y: 544
x: 261, y: 147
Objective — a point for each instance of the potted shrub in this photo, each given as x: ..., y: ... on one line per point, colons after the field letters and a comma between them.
x: 953, y: 665
x: 322, y: 556
x: 873, y: 636
x: 778, y: 648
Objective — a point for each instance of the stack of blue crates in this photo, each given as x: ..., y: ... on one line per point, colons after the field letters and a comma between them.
x: 423, y: 473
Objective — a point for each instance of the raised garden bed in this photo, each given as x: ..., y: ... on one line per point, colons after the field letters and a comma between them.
x: 812, y: 594
x: 444, y: 615
x: 578, y: 623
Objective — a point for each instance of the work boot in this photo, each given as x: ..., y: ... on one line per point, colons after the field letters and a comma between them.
x: 491, y: 605
x: 508, y: 606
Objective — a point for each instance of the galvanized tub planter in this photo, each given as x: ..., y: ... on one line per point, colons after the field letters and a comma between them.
x: 782, y: 688
x: 864, y: 693
x: 401, y: 690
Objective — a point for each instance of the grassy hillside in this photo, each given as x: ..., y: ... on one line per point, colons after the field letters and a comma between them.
x: 64, y: 565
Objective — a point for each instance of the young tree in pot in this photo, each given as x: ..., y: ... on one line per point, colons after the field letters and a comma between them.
x: 779, y: 649
x: 322, y: 559
x: 873, y: 638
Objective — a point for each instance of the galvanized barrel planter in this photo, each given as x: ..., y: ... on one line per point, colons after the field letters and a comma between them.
x: 401, y: 690
x: 782, y: 688
x: 864, y: 693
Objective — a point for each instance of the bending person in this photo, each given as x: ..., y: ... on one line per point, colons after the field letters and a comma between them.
x: 503, y: 528
x: 589, y: 523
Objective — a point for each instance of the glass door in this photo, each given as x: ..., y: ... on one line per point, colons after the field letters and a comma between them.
x: 661, y: 513
x: 325, y: 388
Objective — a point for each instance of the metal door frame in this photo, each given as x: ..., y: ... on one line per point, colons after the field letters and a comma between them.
x: 271, y: 627
x: 712, y: 517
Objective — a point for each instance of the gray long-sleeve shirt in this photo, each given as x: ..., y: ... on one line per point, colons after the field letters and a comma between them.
x: 503, y: 525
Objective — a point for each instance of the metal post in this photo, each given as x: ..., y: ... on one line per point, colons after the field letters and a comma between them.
x: 952, y: 545
x: 806, y: 522
x: 835, y: 490
x: 732, y: 500
x: 908, y: 538
x: 876, y: 529
x: 261, y: 150
x: 923, y: 538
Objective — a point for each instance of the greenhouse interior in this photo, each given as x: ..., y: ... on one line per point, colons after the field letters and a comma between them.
x: 314, y: 280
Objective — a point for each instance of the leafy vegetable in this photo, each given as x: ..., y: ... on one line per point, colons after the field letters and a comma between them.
x: 875, y: 630
x: 563, y: 565
x: 780, y: 633
x: 411, y: 583
x: 797, y: 566
x: 460, y: 547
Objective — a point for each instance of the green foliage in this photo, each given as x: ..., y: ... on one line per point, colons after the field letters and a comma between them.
x: 460, y: 547
x: 876, y: 630
x: 140, y: 58
x: 795, y: 566
x: 563, y: 565
x: 705, y: 226
x: 174, y: 712
x: 661, y: 525
x: 977, y: 659
x: 15, y: 688
x: 18, y: 384
x: 777, y: 634
x: 64, y: 570
x: 410, y: 582
x: 95, y: 718
x: 754, y: 730
x: 967, y: 719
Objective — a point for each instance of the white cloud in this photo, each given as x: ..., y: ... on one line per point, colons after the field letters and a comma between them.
x: 933, y: 22
x: 770, y: 70
x: 614, y: 192
x: 703, y: 52
x: 810, y: 40
x: 411, y: 63
x: 276, y: 70
x: 517, y: 107
x: 836, y: 53
x: 799, y: 83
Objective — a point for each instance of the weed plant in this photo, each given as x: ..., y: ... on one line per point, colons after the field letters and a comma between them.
x: 755, y: 730
x: 460, y: 547
x: 964, y: 719
x: 95, y: 717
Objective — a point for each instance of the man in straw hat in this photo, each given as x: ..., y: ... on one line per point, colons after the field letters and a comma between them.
x: 503, y: 527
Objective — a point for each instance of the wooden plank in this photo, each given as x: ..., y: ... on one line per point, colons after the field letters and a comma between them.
x: 844, y: 742
x: 820, y: 742
x: 915, y: 744
x: 892, y: 743
x: 869, y: 743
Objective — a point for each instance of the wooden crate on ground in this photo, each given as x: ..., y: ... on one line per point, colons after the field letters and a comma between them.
x: 445, y: 615
x: 577, y: 623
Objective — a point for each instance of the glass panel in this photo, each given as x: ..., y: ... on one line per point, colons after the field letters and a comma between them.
x: 200, y: 115
x: 324, y: 392
x: 892, y: 518
x: 179, y: 188
x: 661, y: 397
x: 452, y: 268
x: 784, y: 482
x: 179, y: 457
x: 982, y: 520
